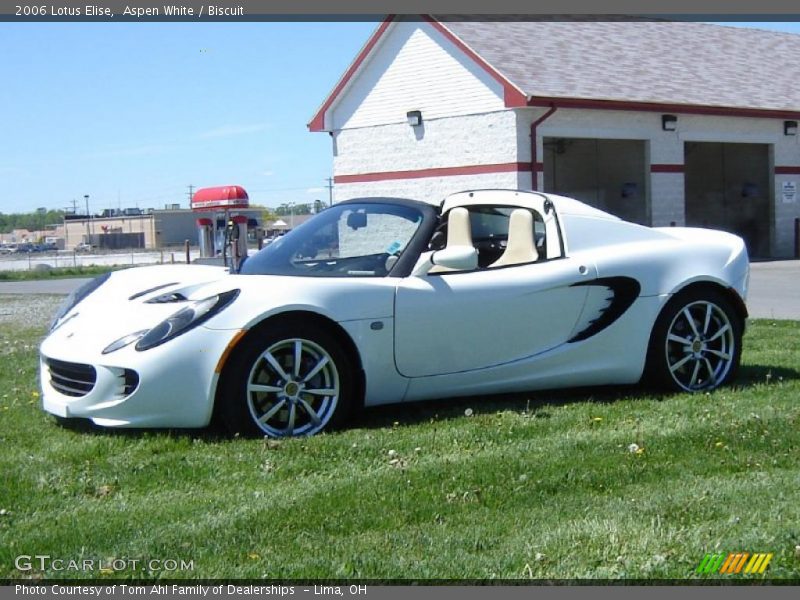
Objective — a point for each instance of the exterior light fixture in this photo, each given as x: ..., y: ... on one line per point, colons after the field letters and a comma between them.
x: 669, y: 122
x: 414, y: 118
x: 790, y: 128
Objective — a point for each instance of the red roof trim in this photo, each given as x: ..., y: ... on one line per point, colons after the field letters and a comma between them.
x: 512, y: 96
x: 662, y: 107
x: 787, y: 170
x: 655, y: 168
x: 318, y: 121
x: 220, y: 198
x: 435, y: 172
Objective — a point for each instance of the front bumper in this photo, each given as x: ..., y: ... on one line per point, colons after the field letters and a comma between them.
x: 176, y: 381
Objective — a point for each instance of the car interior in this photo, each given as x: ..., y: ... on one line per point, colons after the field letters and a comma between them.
x: 503, y: 236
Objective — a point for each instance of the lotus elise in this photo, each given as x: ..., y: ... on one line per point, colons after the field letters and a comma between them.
x: 386, y: 300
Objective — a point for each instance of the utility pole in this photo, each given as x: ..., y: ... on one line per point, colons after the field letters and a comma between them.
x: 330, y: 191
x: 88, y: 220
x: 191, y: 194
x: 66, y: 229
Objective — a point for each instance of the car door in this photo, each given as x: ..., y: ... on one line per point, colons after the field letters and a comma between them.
x: 455, y: 322
x: 501, y: 312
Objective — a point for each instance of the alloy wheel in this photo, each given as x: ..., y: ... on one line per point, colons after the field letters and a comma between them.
x: 700, y: 346
x: 293, y: 388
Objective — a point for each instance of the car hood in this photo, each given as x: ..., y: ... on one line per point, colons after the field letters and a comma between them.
x: 137, y: 299
x: 122, y: 304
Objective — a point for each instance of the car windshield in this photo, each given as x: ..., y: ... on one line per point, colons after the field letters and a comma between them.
x: 346, y: 240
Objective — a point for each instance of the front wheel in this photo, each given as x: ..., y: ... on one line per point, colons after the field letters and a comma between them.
x: 294, y: 380
x: 696, y: 343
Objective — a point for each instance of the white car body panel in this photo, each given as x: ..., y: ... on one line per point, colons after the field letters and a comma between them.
x: 417, y: 337
x: 488, y: 317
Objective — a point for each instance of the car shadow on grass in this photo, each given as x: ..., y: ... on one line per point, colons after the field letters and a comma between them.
x: 212, y: 433
x: 750, y: 375
x: 536, y: 403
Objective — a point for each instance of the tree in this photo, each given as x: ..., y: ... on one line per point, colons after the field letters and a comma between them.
x: 31, y: 221
x: 288, y: 208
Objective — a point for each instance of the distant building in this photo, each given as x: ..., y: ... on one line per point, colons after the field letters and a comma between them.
x: 283, y: 224
x: 658, y: 122
x: 135, y: 228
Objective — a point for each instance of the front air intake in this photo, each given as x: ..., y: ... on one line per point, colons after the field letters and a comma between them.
x: 71, y: 379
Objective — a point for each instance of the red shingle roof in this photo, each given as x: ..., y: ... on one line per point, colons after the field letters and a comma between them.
x: 640, y: 61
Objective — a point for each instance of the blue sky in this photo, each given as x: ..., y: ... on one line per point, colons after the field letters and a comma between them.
x: 133, y: 113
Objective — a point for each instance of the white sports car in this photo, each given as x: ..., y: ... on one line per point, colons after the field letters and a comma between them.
x: 383, y: 300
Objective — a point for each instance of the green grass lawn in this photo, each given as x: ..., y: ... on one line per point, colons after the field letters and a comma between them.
x: 58, y: 272
x: 542, y: 485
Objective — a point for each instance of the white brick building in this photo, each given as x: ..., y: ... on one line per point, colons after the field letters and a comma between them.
x: 658, y: 122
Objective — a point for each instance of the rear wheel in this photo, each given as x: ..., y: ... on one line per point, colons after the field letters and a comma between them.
x: 696, y: 343
x: 293, y: 380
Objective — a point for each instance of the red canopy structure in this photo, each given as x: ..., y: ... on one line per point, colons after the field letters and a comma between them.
x: 220, y: 198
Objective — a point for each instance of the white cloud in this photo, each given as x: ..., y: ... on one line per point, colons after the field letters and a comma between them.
x: 315, y: 190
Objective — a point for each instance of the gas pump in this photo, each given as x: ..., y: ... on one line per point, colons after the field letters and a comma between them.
x: 205, y: 231
x: 235, y: 241
x: 226, y: 244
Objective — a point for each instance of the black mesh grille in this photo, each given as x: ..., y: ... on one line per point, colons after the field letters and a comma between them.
x: 130, y: 381
x: 71, y: 379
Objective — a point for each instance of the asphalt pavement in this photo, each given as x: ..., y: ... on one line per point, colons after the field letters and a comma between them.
x: 774, y: 289
x: 42, y: 286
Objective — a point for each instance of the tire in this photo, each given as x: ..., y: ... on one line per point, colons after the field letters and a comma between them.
x: 263, y: 394
x: 696, y: 343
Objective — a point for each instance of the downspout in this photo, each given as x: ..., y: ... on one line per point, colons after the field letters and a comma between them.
x: 534, y: 125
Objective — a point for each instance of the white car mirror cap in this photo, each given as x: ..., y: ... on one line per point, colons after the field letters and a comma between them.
x: 458, y: 258
x: 423, y: 265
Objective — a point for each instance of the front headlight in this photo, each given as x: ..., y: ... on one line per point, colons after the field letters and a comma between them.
x: 77, y: 296
x: 185, y: 319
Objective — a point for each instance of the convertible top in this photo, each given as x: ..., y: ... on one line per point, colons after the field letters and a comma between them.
x: 563, y: 205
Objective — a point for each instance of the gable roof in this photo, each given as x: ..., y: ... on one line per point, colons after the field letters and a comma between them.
x: 622, y: 63
x: 641, y: 61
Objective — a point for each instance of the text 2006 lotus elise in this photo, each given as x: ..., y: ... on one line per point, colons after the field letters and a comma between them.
x: 383, y: 300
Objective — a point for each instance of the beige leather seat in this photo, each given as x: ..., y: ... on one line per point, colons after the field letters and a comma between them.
x: 459, y: 233
x: 521, y: 247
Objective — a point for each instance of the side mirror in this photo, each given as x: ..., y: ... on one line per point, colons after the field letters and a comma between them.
x: 357, y: 220
x: 457, y: 258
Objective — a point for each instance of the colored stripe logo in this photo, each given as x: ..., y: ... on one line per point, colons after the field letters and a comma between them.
x: 734, y: 563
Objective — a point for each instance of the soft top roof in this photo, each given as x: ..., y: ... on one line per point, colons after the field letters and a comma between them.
x: 529, y: 199
x: 562, y: 204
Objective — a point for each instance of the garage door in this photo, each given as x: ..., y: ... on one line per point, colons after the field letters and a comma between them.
x: 728, y: 188
x: 606, y: 174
